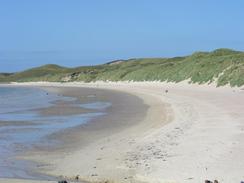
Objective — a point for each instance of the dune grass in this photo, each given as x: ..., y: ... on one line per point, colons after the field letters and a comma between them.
x: 223, y: 66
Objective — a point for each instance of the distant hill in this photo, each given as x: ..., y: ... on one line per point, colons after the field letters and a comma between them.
x: 225, y: 66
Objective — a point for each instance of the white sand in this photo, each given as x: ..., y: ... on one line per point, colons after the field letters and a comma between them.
x: 23, y: 181
x: 204, y: 139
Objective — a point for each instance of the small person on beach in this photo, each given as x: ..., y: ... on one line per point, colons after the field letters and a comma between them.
x: 77, y: 177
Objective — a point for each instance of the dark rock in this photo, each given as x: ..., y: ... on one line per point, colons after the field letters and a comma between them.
x: 63, y: 181
x: 208, y: 181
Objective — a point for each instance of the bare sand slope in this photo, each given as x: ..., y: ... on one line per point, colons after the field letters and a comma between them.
x: 204, y: 139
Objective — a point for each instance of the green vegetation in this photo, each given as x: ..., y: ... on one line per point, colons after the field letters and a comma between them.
x: 224, y: 66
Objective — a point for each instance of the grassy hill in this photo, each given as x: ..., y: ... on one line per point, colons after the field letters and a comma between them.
x: 224, y: 66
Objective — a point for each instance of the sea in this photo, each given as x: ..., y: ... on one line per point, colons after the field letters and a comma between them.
x: 22, y: 127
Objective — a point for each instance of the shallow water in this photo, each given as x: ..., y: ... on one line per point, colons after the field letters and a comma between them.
x: 22, y: 127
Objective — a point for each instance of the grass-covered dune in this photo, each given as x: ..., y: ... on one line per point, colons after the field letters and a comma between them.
x: 223, y: 66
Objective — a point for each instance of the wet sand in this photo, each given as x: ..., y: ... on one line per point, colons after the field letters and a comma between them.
x: 127, y: 110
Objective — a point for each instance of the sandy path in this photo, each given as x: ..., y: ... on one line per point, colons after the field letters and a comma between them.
x: 203, y: 140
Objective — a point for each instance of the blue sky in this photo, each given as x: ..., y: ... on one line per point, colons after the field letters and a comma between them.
x: 87, y: 32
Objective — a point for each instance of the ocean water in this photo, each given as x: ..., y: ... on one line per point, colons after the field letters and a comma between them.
x: 22, y: 127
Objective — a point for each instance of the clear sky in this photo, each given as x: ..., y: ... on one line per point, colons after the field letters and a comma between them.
x: 87, y: 32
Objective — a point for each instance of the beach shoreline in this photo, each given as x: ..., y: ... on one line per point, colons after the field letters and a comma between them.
x: 128, y: 123
x: 190, y: 133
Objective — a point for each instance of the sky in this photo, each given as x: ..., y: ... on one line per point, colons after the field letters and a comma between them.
x: 89, y: 32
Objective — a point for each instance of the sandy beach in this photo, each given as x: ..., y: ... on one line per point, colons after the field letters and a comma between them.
x: 188, y: 134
